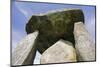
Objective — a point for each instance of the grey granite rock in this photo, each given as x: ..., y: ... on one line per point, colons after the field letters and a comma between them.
x: 53, y: 26
x: 85, y: 47
x: 61, y: 51
x: 25, y: 51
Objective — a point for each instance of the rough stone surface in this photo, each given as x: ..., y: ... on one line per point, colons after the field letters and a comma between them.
x: 61, y: 51
x: 24, y: 53
x: 54, y: 26
x: 85, y: 47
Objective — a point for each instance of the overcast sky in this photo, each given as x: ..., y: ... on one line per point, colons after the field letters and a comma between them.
x: 22, y: 11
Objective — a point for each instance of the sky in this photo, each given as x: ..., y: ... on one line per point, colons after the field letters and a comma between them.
x: 22, y: 11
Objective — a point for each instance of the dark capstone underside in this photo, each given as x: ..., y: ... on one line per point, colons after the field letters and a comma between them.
x: 54, y: 26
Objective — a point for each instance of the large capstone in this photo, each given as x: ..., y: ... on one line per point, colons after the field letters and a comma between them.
x: 54, y: 26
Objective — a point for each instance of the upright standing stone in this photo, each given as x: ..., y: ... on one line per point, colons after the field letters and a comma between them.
x: 85, y: 47
x: 24, y: 53
x: 61, y: 51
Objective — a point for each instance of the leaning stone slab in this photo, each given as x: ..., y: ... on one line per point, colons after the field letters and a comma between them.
x: 61, y: 51
x: 24, y: 53
x: 85, y: 47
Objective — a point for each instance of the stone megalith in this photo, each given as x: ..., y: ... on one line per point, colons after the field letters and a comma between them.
x: 61, y: 51
x: 25, y: 51
x: 53, y: 26
x: 85, y: 47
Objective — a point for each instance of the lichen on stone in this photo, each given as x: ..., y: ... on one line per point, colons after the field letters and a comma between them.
x: 54, y: 26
